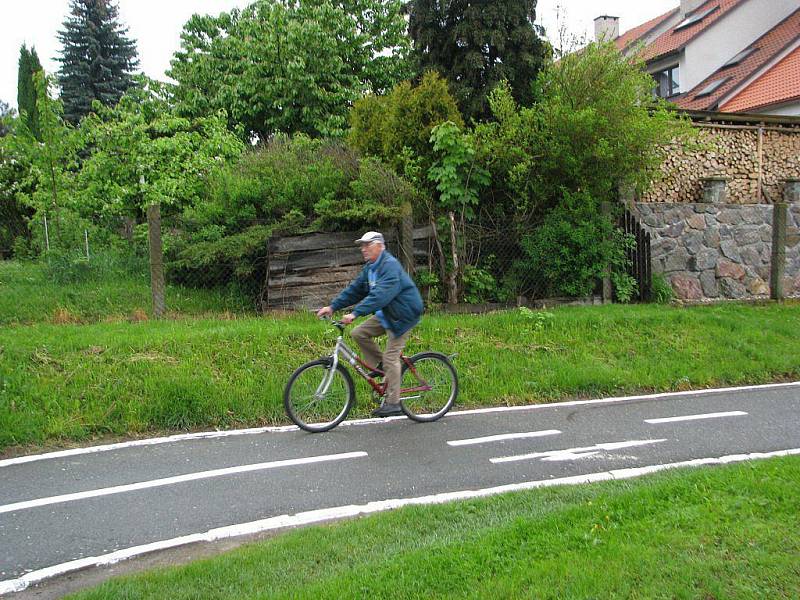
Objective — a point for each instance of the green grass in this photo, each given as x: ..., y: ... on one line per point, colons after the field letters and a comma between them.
x: 71, y: 383
x: 32, y: 293
x: 710, y: 534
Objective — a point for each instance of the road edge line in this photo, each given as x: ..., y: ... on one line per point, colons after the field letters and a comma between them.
x: 339, y: 512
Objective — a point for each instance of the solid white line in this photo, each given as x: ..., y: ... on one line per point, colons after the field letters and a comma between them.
x: 328, y: 514
x: 503, y: 436
x: 142, y: 485
x: 285, y: 428
x: 574, y: 453
x: 734, y: 413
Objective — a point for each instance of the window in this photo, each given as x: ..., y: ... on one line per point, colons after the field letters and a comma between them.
x: 739, y: 58
x: 695, y: 18
x: 711, y: 87
x: 667, y: 82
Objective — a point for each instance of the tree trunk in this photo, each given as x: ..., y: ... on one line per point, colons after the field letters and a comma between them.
x: 452, y: 280
x: 157, y: 285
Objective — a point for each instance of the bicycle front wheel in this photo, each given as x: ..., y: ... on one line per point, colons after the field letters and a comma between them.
x: 318, y: 398
x: 429, y: 387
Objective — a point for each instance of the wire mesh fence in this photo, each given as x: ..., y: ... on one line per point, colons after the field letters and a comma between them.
x: 169, y: 268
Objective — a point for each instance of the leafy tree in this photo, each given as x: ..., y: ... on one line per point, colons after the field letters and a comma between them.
x: 97, y: 58
x: 475, y: 45
x: 284, y: 66
x: 14, y: 180
x: 52, y: 157
x: 142, y: 153
x: 397, y: 127
x: 458, y: 180
x: 595, y: 128
x: 29, y: 65
x: 6, y: 114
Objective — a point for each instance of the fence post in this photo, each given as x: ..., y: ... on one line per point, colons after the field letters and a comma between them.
x: 778, y: 263
x: 608, y: 290
x: 407, y: 239
x: 156, y: 259
x: 46, y: 235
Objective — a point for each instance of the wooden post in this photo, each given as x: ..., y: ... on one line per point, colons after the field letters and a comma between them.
x: 407, y: 239
x: 157, y: 285
x: 608, y: 290
x: 778, y: 264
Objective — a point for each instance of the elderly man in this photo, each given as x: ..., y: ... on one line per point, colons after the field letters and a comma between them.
x: 385, y: 290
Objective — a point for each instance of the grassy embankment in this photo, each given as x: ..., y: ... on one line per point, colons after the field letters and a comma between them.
x: 65, y: 383
x: 727, y: 532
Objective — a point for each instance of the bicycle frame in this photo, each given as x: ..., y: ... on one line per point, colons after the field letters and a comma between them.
x: 362, y: 368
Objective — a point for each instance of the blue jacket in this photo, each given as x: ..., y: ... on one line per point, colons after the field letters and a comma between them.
x: 394, y: 293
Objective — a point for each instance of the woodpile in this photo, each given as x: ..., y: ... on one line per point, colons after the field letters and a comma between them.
x: 755, y: 161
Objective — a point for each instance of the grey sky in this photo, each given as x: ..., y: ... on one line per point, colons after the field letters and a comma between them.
x: 155, y: 25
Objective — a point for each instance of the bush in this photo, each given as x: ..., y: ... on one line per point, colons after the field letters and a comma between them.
x: 571, y: 249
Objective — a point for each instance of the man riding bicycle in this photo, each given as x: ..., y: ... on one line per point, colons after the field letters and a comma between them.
x: 386, y: 291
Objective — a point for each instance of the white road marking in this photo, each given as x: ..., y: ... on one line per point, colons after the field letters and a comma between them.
x: 503, y: 436
x: 718, y: 415
x: 328, y: 514
x: 574, y: 453
x: 119, y: 489
x: 283, y: 429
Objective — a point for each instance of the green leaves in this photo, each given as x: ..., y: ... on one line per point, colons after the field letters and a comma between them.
x: 293, y: 67
x: 458, y: 178
x: 144, y: 153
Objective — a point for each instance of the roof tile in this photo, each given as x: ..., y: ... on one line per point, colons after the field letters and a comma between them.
x: 767, y: 47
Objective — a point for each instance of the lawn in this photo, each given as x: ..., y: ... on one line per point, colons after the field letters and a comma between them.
x: 708, y: 533
x: 73, y: 383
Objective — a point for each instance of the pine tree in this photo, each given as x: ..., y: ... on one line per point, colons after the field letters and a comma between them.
x: 477, y: 44
x: 26, y: 92
x: 97, y: 59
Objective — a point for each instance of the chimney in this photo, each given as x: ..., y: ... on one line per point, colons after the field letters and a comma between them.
x: 688, y: 6
x: 606, y: 28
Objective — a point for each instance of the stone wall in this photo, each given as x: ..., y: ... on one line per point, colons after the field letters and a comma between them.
x: 719, y: 251
x: 731, y: 151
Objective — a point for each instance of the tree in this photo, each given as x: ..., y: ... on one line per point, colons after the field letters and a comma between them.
x: 142, y: 154
x: 475, y: 45
x: 596, y: 128
x: 97, y: 59
x: 292, y: 67
x: 52, y: 157
x: 29, y: 65
x: 6, y: 114
x: 397, y: 127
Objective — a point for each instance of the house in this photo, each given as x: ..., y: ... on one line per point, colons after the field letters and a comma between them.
x: 730, y: 56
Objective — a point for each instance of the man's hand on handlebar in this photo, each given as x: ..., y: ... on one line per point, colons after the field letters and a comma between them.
x: 325, y: 311
x: 348, y: 318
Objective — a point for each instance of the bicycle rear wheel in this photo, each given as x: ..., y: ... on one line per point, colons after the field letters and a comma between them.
x: 310, y: 406
x: 432, y: 386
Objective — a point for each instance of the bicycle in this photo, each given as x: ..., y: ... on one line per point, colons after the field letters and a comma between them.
x: 320, y: 393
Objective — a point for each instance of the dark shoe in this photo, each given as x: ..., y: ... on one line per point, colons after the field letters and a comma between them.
x: 387, y: 410
x: 377, y: 371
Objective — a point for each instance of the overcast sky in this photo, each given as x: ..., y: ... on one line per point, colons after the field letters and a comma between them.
x: 155, y: 25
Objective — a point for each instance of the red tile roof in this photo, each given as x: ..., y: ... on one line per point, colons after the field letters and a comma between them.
x: 780, y: 84
x: 768, y: 89
x: 672, y: 40
x: 634, y: 35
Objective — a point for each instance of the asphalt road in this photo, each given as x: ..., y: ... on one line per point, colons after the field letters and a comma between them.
x: 95, y: 506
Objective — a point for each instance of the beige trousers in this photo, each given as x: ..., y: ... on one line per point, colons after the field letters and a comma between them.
x: 365, y: 335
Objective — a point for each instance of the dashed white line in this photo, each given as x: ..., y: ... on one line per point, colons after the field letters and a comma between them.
x: 574, y: 453
x: 119, y: 489
x: 502, y: 437
x: 328, y: 514
x: 282, y: 429
x: 717, y: 415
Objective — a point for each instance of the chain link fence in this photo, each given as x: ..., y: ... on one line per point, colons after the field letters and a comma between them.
x: 167, y: 269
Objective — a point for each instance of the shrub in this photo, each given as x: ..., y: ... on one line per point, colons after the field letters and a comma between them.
x: 568, y: 253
